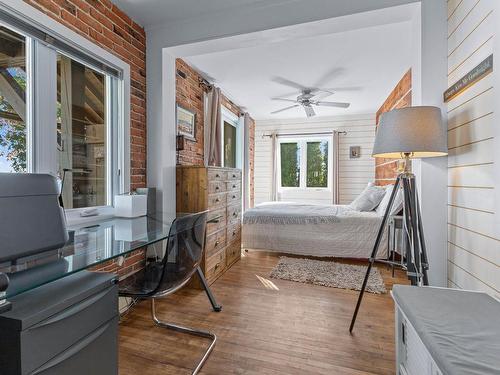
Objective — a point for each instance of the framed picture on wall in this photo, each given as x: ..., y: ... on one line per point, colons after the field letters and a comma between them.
x: 186, y: 123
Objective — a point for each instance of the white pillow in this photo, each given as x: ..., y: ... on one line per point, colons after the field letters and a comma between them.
x: 368, y: 199
x: 397, y: 204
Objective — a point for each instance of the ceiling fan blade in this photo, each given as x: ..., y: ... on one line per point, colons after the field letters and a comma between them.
x: 309, y: 111
x: 285, y: 109
x: 287, y: 82
x: 333, y: 104
x: 285, y: 100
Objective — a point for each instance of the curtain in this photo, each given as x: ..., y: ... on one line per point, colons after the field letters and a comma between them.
x: 335, y: 167
x: 213, y: 129
x: 274, y: 177
x: 246, y: 161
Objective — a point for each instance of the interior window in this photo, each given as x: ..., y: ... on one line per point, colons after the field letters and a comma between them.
x: 230, y: 135
x: 81, y: 139
x: 13, y: 85
x: 290, y: 164
x: 317, y: 164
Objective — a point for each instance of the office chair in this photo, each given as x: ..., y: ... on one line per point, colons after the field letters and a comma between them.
x: 182, y: 257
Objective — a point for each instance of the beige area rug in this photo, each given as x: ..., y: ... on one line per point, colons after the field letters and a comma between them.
x: 328, y: 273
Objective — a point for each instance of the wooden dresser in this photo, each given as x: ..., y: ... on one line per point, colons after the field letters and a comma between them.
x: 218, y: 190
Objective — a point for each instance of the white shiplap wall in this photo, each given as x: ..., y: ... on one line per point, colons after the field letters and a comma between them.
x: 354, y: 174
x: 473, y: 161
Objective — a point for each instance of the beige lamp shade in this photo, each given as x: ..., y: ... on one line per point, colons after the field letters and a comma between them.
x: 418, y: 131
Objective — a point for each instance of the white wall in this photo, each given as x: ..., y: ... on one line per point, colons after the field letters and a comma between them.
x: 354, y: 174
x: 473, y: 129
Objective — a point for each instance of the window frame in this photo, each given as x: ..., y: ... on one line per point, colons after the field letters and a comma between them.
x: 233, y: 120
x: 302, y: 142
x: 42, y: 91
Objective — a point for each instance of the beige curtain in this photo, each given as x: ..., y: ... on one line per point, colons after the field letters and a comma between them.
x: 335, y: 167
x: 274, y: 177
x: 213, y: 128
x: 246, y: 161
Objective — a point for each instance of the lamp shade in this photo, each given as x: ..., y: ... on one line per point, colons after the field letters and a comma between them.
x: 415, y: 130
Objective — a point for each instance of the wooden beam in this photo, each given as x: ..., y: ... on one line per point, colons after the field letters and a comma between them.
x: 10, y: 116
x: 13, y: 93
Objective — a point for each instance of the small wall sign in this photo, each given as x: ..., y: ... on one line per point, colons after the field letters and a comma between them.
x: 354, y: 152
x: 482, y: 70
x: 186, y: 123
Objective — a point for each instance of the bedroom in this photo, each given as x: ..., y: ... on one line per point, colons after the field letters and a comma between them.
x: 208, y: 187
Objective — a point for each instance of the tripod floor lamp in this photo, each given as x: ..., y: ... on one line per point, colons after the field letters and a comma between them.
x: 407, y: 133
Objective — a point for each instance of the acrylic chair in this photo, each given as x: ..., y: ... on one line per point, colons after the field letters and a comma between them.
x: 160, y: 278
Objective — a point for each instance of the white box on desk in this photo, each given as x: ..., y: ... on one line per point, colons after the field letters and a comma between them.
x: 131, y: 205
x: 131, y: 229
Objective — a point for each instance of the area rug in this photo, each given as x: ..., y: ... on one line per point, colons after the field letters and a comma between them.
x: 328, y: 273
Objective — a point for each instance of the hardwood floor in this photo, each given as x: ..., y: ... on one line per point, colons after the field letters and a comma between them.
x: 267, y: 326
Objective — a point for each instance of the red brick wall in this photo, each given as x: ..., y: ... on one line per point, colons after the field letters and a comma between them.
x: 107, y: 26
x: 400, y: 97
x: 189, y: 95
x: 104, y: 24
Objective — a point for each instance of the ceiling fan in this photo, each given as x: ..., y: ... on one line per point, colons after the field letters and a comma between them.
x: 308, y: 97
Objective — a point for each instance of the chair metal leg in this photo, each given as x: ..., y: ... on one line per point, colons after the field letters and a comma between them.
x: 190, y: 331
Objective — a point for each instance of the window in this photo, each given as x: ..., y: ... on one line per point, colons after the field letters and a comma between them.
x: 13, y: 87
x: 82, y: 124
x: 231, y: 139
x: 305, y: 163
x: 73, y: 123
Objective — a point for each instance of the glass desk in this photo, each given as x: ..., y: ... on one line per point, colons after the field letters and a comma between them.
x: 89, y: 245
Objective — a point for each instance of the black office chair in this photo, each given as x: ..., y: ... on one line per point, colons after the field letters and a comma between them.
x: 182, y: 258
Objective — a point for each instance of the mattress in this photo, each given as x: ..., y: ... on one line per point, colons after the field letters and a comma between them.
x: 351, y: 235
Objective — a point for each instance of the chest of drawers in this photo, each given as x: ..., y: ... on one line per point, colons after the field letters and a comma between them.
x: 219, y: 191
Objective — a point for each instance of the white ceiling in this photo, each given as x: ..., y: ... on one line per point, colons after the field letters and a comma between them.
x: 154, y: 12
x: 362, y: 66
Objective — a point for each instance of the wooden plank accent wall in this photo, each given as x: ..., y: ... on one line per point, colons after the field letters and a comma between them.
x: 400, y: 97
x: 354, y: 174
x: 473, y: 230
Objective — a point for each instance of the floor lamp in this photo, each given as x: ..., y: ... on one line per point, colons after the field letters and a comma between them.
x: 407, y: 133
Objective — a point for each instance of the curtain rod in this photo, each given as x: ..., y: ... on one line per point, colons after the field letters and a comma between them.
x: 301, y: 134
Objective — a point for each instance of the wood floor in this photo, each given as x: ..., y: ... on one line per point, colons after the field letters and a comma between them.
x: 266, y: 327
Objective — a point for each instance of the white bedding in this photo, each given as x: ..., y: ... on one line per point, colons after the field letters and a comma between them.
x: 351, y: 236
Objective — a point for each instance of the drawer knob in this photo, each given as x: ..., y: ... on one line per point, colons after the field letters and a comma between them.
x: 235, y: 214
x: 234, y: 196
x: 217, y: 175
x: 216, y: 266
x: 234, y: 176
x: 234, y: 233
x: 216, y: 243
x: 217, y: 188
x: 217, y: 200
x: 234, y: 186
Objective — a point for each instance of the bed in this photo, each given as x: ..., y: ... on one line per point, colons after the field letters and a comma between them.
x: 312, y: 230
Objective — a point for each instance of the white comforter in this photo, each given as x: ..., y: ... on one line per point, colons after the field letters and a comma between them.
x: 351, y: 235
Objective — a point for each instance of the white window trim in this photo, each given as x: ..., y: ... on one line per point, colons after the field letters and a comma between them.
x: 302, y: 141
x: 38, y: 162
x: 233, y: 120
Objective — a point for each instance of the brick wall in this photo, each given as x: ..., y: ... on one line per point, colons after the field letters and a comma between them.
x: 106, y: 25
x: 400, y: 97
x: 189, y: 95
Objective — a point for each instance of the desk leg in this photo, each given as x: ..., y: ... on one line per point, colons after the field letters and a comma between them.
x: 215, y: 306
x: 4, y: 284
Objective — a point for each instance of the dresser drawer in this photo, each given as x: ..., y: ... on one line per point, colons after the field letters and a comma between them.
x: 215, y: 265
x: 233, y: 233
x: 216, y: 187
x: 215, y: 174
x: 233, y: 252
x: 234, y: 185
x: 233, y: 175
x: 217, y: 200
x: 233, y: 197
x: 216, y: 220
x: 234, y: 214
x: 215, y: 242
